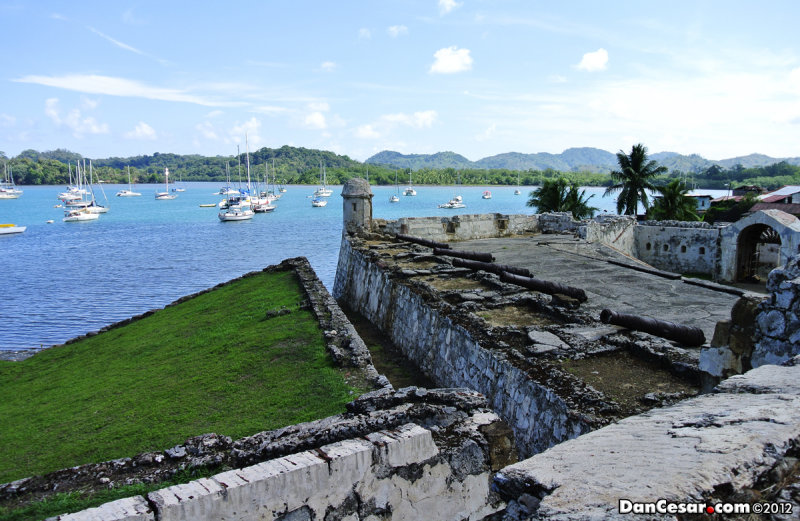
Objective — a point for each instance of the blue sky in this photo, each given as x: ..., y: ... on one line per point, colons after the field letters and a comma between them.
x: 478, y: 77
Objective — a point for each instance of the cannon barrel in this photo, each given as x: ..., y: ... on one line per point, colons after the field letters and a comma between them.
x: 424, y: 242
x: 470, y: 255
x: 544, y: 286
x: 686, y: 335
x: 491, y: 267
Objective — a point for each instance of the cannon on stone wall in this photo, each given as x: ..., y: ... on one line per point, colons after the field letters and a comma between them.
x: 544, y: 286
x: 423, y: 242
x: 469, y: 255
x: 491, y: 267
x: 686, y: 335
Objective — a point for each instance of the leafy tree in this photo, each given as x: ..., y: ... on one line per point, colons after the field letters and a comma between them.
x: 556, y: 195
x: 674, y: 204
x: 633, y: 179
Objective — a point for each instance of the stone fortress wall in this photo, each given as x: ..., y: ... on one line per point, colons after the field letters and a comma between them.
x: 435, y: 454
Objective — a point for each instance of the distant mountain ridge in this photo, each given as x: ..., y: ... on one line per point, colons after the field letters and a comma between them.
x: 572, y: 159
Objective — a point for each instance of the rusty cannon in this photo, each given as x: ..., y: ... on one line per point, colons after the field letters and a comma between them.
x: 685, y: 335
x: 491, y: 267
x: 544, y: 286
x: 469, y: 255
x: 423, y: 242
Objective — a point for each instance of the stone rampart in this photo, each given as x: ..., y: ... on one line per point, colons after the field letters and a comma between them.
x: 375, y: 462
x: 460, y: 227
x: 737, y: 444
x: 615, y: 231
x: 678, y: 247
x: 777, y: 326
x: 451, y: 356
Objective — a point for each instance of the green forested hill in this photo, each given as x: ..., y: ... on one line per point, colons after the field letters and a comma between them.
x: 297, y: 165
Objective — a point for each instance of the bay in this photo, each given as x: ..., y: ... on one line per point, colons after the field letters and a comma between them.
x: 66, y: 279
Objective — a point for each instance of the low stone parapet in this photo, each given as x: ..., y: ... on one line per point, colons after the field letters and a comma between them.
x: 710, y: 449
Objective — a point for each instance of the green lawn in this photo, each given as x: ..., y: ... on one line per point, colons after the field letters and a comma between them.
x: 211, y: 364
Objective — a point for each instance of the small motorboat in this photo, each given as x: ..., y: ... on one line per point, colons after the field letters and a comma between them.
x: 8, y: 229
x: 487, y: 194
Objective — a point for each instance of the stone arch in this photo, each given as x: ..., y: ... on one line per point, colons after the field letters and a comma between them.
x: 757, y: 252
x: 746, y: 232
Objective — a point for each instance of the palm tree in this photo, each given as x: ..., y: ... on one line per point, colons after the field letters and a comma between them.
x: 673, y: 203
x: 555, y: 195
x: 633, y: 179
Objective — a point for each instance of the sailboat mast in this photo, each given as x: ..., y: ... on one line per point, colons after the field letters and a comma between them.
x: 247, y: 150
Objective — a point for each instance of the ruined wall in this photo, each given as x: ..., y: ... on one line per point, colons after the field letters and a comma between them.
x: 736, y: 444
x: 451, y: 357
x: 777, y: 331
x: 679, y: 247
x: 461, y: 227
x: 616, y: 231
x: 377, y: 462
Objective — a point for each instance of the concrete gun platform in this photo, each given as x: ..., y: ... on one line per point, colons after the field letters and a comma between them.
x: 571, y: 261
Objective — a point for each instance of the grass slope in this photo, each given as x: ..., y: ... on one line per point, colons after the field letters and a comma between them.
x: 211, y: 364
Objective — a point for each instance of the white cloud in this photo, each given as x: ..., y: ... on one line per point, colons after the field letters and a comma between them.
x: 387, y: 122
x: 328, y: 66
x: 367, y: 132
x: 88, y: 103
x: 488, y: 133
x: 556, y: 78
x: 214, y: 114
x: 141, y: 131
x: 7, y: 120
x: 206, y: 128
x: 270, y: 109
x: 315, y: 120
x: 319, y: 106
x: 111, y: 86
x: 364, y: 34
x: 451, y: 60
x: 74, y: 120
x: 445, y: 6
x: 594, y: 61
x: 424, y: 119
x: 245, y: 132
x: 396, y: 30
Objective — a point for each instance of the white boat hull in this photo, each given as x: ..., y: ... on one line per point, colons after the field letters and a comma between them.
x: 236, y: 215
x: 8, y: 229
x: 165, y: 196
x: 127, y: 193
x: 74, y: 217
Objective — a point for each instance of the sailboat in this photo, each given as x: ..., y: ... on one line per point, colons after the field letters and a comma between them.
x: 456, y: 201
x: 78, y: 210
x: 409, y: 190
x: 129, y: 192
x: 323, y: 191
x: 394, y: 198
x: 165, y: 195
x: 239, y: 207
x: 7, y: 188
x: 179, y: 187
x: 517, y: 191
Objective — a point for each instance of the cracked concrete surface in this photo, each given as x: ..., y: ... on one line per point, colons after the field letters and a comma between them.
x: 564, y: 259
x: 685, y: 452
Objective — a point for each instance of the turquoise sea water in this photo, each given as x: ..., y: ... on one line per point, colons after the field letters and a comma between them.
x: 65, y: 279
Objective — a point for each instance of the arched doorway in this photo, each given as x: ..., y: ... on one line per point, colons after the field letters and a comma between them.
x: 758, y: 253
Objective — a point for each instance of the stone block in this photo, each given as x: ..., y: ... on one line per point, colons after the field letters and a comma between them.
x: 129, y: 509
x: 720, y: 361
x: 771, y: 323
x: 741, y: 341
x: 722, y: 333
x: 745, y: 309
